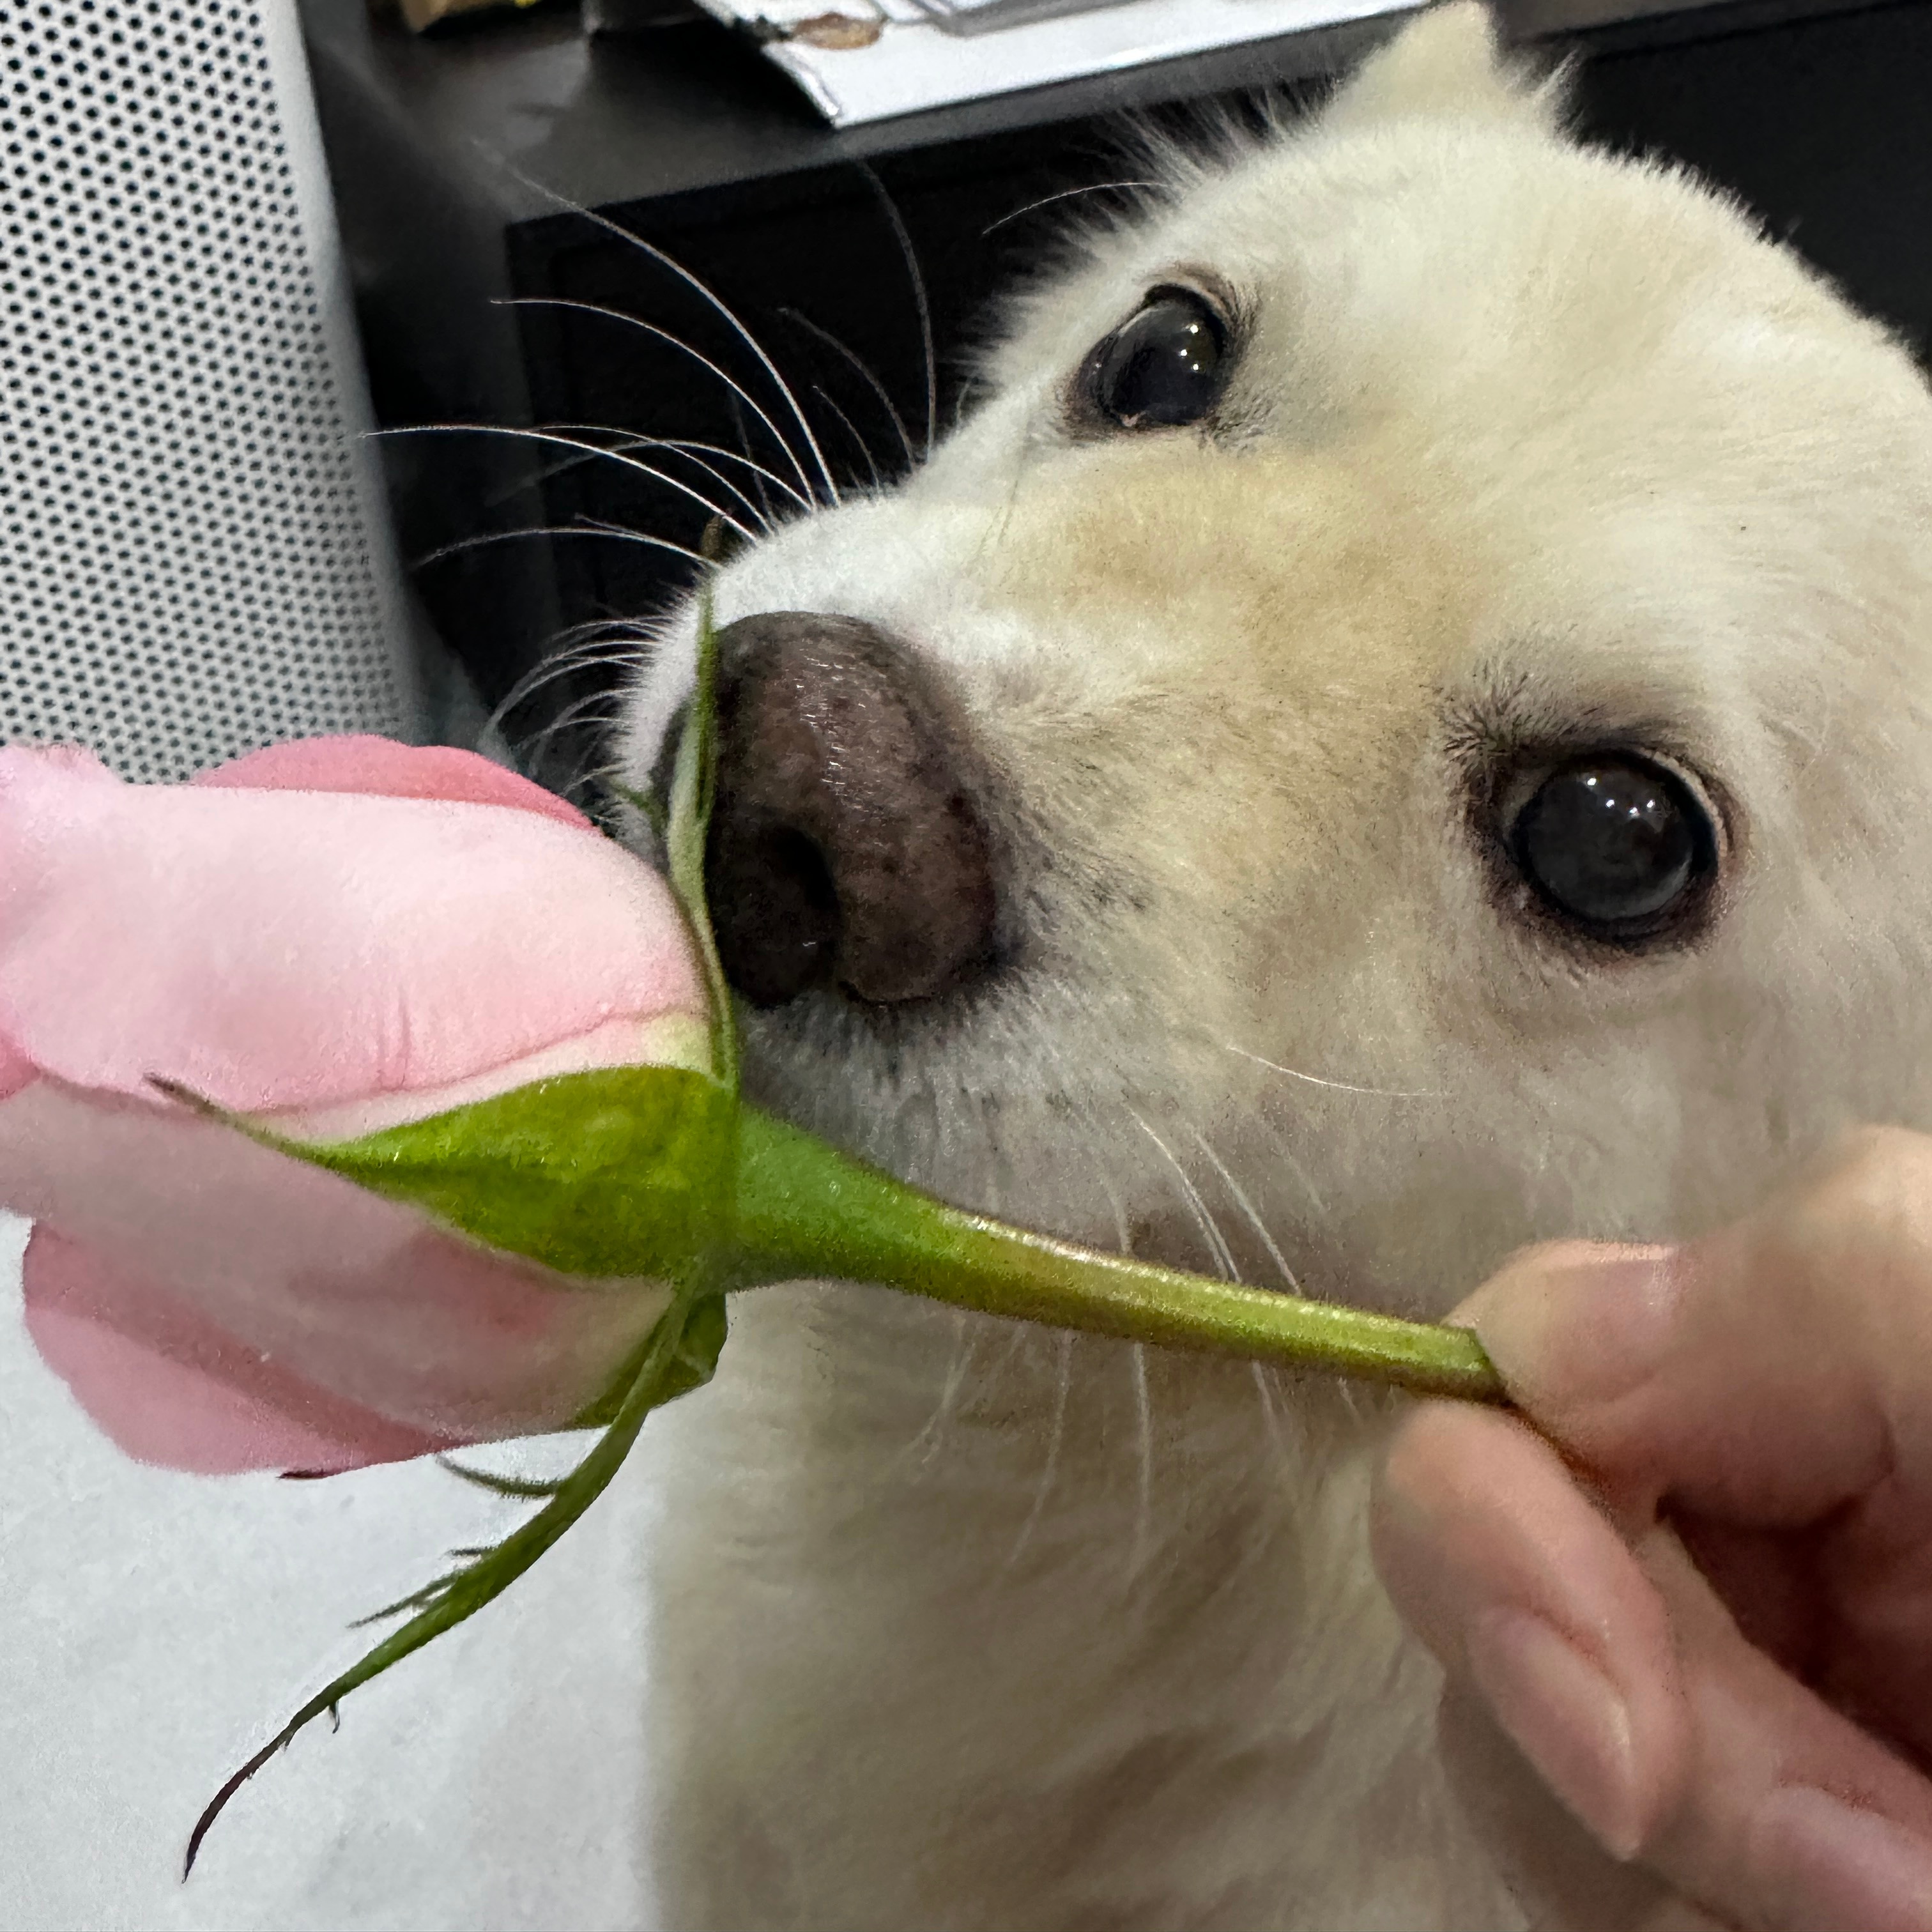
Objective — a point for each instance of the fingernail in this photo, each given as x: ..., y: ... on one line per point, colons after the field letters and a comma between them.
x: 1566, y: 1717
x: 1569, y: 1330
x: 1831, y: 1867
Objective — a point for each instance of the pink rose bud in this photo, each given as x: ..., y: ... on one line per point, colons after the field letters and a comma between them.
x: 328, y: 938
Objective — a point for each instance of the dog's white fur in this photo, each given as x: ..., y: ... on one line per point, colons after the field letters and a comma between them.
x: 965, y: 1626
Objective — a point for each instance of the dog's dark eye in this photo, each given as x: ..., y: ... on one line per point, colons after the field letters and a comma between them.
x: 1615, y: 843
x: 1165, y: 367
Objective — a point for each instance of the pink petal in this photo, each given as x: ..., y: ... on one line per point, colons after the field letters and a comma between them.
x: 352, y: 1294
x: 616, y: 1043
x: 360, y: 763
x: 295, y: 949
x: 16, y: 1068
x: 168, y: 1386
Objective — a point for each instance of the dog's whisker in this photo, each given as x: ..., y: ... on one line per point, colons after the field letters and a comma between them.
x: 606, y: 775
x: 1068, y: 194
x: 532, y: 683
x: 928, y: 1442
x: 1248, y: 1212
x: 706, y: 295
x: 588, y: 450
x: 532, y: 748
x: 1337, y: 1086
x: 1284, y: 1152
x: 1137, y: 1550
x: 1270, y: 1419
x: 548, y: 766
x: 625, y: 442
x: 1056, y: 1430
x: 580, y: 529
x: 695, y: 448
x: 601, y: 641
x: 612, y: 701
x: 806, y: 490
x: 917, y: 275
x: 554, y: 437
x: 679, y: 447
x: 864, y: 370
x: 859, y: 441
x: 759, y: 473
x: 1221, y: 1255
x: 1094, y: 1138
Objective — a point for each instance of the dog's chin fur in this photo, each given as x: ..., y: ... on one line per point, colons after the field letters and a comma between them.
x: 1528, y: 448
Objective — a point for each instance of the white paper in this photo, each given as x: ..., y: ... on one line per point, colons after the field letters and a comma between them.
x: 916, y: 63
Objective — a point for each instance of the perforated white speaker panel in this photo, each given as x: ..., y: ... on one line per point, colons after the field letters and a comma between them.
x: 192, y: 560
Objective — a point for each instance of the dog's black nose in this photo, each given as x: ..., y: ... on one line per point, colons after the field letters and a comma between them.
x: 844, y: 847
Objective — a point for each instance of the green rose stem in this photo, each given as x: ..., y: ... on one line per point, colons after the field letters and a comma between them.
x: 803, y: 1210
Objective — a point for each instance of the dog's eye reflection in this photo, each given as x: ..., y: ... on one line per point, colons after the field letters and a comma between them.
x: 1165, y: 367
x: 1615, y: 844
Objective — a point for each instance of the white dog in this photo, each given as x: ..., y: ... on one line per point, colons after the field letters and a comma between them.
x: 1398, y: 729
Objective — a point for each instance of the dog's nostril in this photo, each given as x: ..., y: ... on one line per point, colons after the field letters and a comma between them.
x: 845, y: 846
x: 774, y: 910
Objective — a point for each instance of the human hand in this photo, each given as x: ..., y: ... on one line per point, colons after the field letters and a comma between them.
x: 1684, y: 1597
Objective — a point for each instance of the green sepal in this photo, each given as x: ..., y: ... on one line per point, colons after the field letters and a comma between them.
x: 694, y: 785
x: 622, y: 1172
x: 692, y: 1363
x: 520, y: 1489
x: 676, y: 1356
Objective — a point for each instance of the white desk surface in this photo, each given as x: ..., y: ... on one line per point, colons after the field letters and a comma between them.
x: 154, y: 1628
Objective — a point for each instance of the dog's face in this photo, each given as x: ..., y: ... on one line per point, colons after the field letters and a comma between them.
x: 1400, y: 723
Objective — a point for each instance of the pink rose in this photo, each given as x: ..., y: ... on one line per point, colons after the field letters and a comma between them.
x: 330, y: 937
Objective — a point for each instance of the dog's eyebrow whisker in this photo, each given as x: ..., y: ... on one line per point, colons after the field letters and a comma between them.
x: 865, y: 371
x: 1248, y: 1211
x: 705, y: 294
x: 806, y: 491
x: 1068, y: 194
x: 1336, y: 1086
x: 917, y: 275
